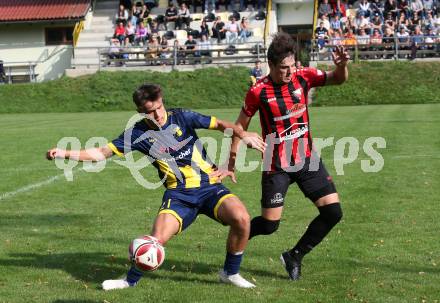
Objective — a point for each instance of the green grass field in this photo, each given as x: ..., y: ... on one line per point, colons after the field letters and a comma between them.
x: 60, y: 240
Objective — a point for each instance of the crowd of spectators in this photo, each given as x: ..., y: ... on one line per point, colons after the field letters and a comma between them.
x: 373, y: 24
x: 136, y: 26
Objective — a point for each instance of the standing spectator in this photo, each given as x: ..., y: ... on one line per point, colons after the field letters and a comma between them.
x: 204, y: 28
x: 170, y: 15
x: 245, y: 31
x: 183, y: 17
x: 141, y: 34
x: 130, y: 33
x: 218, y: 29
x: 325, y: 8
x: 207, y: 3
x: 120, y: 33
x: 321, y: 35
x: 256, y: 73
x: 121, y: 15
x: 232, y: 30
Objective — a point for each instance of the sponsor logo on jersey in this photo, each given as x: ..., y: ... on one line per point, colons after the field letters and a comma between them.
x: 291, y: 134
x: 296, y: 111
x: 297, y: 93
x: 180, y: 156
x: 271, y: 99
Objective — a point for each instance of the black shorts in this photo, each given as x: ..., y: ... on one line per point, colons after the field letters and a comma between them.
x: 314, y: 184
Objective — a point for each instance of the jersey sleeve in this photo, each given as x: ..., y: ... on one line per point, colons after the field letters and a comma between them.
x: 315, y: 77
x: 123, y: 144
x: 251, y: 103
x: 197, y: 120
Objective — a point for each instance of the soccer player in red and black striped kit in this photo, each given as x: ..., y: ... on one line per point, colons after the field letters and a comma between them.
x: 281, y: 99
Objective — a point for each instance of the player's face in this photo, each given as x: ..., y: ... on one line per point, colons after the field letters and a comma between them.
x: 282, y: 72
x: 154, y: 110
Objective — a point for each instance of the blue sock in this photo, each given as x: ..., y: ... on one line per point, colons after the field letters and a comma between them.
x: 134, y: 275
x: 232, y: 263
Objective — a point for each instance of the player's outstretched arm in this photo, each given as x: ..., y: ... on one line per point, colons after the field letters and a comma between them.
x: 251, y: 139
x: 340, y: 74
x: 91, y: 154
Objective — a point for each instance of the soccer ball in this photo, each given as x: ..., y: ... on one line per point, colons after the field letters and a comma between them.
x: 146, y: 253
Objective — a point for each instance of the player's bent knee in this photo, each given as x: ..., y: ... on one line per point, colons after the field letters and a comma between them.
x: 332, y: 213
x: 240, y: 219
x: 266, y: 227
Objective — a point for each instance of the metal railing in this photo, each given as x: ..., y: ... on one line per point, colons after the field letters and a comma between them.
x: 393, y: 48
x: 177, y: 55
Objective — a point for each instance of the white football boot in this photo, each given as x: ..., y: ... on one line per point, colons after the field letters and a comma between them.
x: 236, y: 280
x: 115, y: 284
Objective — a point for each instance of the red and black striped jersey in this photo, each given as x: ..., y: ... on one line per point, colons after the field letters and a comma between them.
x: 284, y: 116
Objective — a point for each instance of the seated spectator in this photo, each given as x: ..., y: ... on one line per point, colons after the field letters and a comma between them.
x: 388, y: 41
x: 191, y: 47
x: 256, y: 73
x: 154, y: 28
x: 417, y: 7
x: 208, y: 3
x: 153, y: 49
x: 150, y: 4
x: 183, y: 17
x: 430, y: 38
x: 403, y: 38
x: 325, y: 8
x: 121, y: 15
x: 376, y: 23
x: 205, y: 46
x: 257, y: 4
x: 126, y: 3
x: 222, y: 2
x: 389, y: 21
x: 429, y: 21
x: 340, y: 9
x: 336, y: 39
x: 391, y: 8
x: 403, y: 22
x: 204, y: 28
x: 405, y: 8
x: 180, y: 52
x: 141, y: 34
x: 363, y: 7
x: 130, y: 33
x: 415, y: 21
x: 417, y: 40
x: 245, y: 31
x: 361, y: 21
x: 362, y: 38
x: 349, y: 38
x: 325, y: 20
x: 232, y: 30
x: 165, y: 49
x: 429, y: 6
x: 170, y: 15
x: 336, y: 24
x: 138, y: 13
x: 377, y: 7
x: 218, y: 29
x: 120, y: 33
x: 114, y: 52
x: 376, y: 38
x: 322, y: 35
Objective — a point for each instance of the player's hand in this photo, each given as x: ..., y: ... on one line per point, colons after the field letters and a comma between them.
x: 221, y: 173
x: 254, y: 140
x: 340, y: 56
x: 54, y: 153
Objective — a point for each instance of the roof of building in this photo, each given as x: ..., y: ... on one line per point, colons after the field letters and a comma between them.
x: 38, y: 10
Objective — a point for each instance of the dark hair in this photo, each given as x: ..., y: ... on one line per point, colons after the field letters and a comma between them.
x: 282, y: 46
x: 146, y: 92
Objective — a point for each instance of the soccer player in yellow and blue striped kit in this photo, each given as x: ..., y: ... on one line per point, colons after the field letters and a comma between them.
x: 169, y: 138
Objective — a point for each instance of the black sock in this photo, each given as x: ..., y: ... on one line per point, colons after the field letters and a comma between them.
x: 262, y: 226
x: 329, y: 216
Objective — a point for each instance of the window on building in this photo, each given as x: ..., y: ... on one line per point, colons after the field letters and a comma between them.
x: 59, y: 35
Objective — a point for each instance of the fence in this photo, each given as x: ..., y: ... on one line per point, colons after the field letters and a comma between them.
x: 393, y: 48
x: 178, y: 55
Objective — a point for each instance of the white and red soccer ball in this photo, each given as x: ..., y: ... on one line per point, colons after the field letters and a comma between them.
x: 146, y: 253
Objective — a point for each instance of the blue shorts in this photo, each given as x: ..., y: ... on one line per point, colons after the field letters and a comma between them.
x: 187, y: 204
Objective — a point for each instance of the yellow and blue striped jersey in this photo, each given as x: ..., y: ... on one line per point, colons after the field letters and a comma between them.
x: 174, y: 149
